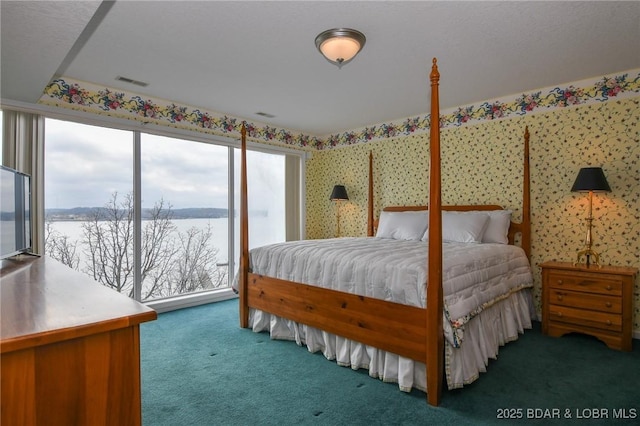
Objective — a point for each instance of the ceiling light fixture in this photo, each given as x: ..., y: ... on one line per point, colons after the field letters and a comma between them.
x: 340, y: 45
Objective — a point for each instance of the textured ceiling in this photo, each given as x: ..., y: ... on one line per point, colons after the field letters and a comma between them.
x: 244, y: 57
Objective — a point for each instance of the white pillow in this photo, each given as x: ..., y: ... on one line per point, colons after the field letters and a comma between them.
x: 462, y: 227
x: 409, y: 225
x: 498, y: 227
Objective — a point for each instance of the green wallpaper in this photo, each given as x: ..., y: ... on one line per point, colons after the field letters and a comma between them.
x: 483, y: 164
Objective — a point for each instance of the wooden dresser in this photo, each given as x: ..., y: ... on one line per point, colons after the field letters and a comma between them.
x: 70, y: 348
x: 592, y: 300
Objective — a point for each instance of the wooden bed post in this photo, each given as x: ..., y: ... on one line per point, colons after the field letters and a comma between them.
x: 407, y: 331
x: 526, y: 200
x: 435, y: 337
x: 244, y: 234
x: 370, y: 202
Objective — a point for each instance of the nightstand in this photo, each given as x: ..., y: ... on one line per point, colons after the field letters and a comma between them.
x: 592, y: 300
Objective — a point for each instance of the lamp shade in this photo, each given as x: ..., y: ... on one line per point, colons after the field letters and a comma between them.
x: 339, y: 193
x: 591, y: 179
x: 340, y: 45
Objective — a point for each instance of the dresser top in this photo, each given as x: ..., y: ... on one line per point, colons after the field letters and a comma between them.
x: 44, y: 301
x: 604, y: 269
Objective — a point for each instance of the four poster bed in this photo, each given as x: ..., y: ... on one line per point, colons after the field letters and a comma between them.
x: 384, y: 317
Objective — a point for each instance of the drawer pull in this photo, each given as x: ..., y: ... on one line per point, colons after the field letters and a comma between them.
x: 608, y: 304
x: 608, y: 322
x: 559, y: 297
x: 559, y: 314
x: 559, y: 282
x: 609, y: 287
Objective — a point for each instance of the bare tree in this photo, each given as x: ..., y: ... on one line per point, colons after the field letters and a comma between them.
x: 60, y: 247
x: 193, y: 269
x: 158, y: 250
x: 172, y: 262
x: 108, y: 240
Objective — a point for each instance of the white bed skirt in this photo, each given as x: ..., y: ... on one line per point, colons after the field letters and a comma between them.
x: 484, y: 334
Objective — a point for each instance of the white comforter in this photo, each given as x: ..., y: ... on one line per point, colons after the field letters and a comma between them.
x: 475, y: 276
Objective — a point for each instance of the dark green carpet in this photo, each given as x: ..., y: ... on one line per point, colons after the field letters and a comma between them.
x: 200, y: 368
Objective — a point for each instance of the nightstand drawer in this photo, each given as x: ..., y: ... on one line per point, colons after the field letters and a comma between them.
x: 585, y: 283
x: 585, y: 318
x: 596, y: 302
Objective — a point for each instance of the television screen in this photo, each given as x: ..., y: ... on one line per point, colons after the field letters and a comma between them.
x: 15, y: 212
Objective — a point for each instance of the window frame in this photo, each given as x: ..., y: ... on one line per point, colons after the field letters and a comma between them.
x: 294, y: 202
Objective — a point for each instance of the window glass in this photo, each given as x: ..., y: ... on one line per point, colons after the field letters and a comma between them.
x: 185, y: 236
x: 89, y: 201
x: 266, y: 199
x: 1, y: 136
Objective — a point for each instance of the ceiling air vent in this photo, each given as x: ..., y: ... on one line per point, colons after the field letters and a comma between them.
x: 132, y: 81
x: 265, y: 114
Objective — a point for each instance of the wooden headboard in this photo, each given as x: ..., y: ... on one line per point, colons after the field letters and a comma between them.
x: 523, y: 228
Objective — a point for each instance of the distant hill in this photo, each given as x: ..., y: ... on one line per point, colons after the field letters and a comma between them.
x: 82, y: 213
x: 199, y: 213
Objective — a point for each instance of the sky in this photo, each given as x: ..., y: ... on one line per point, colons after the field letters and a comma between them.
x: 85, y: 165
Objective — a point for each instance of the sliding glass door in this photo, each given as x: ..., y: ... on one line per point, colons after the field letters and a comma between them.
x: 273, y: 199
x: 185, y: 216
x: 149, y: 215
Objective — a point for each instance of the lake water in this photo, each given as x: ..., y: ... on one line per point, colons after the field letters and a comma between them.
x: 263, y: 230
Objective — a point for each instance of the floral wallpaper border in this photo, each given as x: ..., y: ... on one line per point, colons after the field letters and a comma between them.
x: 72, y: 94
x: 77, y: 95
x: 581, y: 93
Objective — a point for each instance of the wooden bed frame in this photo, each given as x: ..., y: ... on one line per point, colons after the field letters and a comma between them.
x: 408, y: 331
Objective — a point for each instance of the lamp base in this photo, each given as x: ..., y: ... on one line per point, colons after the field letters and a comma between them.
x: 589, y: 253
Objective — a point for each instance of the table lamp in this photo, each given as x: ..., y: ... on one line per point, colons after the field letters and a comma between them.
x: 338, y: 194
x: 590, y: 179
